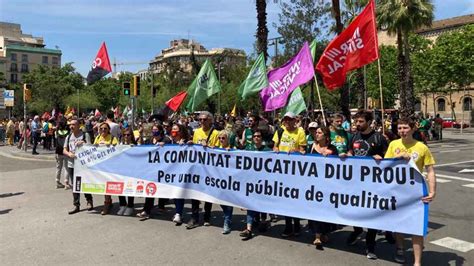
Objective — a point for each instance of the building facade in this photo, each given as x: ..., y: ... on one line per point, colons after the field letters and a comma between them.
x: 457, y: 104
x: 20, y: 53
x: 182, y: 52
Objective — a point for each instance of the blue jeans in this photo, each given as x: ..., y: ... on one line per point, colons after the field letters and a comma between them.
x: 227, y: 214
x: 179, y: 204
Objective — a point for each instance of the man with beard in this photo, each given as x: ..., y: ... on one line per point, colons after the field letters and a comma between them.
x: 368, y: 143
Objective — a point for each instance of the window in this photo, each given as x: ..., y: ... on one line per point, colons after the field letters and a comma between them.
x: 467, y: 104
x: 13, y: 67
x: 24, y: 58
x: 45, y: 60
x: 55, y: 61
x: 13, y: 57
x: 13, y: 78
x: 24, y: 67
x: 441, y: 105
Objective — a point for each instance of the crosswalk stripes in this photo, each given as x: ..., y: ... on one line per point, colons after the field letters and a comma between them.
x: 469, y: 185
x: 453, y: 243
x: 440, y: 180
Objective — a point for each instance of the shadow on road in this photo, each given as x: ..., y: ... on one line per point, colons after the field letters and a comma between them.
x: 7, y: 195
x: 5, y: 211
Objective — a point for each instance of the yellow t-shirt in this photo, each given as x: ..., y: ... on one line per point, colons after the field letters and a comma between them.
x: 200, y: 137
x: 99, y: 140
x: 290, y: 141
x: 418, y: 151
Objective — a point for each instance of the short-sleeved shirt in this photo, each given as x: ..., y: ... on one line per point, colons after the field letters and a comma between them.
x: 418, y: 151
x: 200, y: 137
x: 114, y: 129
x: 290, y: 140
x: 368, y: 144
x: 340, y: 140
x: 108, y: 140
x: 70, y: 144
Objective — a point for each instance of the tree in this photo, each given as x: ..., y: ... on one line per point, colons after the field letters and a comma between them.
x: 402, y: 18
x: 262, y: 30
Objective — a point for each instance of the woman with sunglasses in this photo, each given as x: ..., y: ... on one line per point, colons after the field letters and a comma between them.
x: 127, y: 204
x: 179, y: 135
x: 159, y: 139
x: 105, y: 138
x: 322, y: 146
x: 254, y: 217
x: 224, y: 143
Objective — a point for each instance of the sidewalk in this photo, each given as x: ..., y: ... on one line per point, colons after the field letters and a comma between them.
x: 13, y: 151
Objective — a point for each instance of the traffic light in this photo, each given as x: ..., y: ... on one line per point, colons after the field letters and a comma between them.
x: 155, y: 89
x: 126, y: 88
x: 26, y: 92
x: 136, y: 85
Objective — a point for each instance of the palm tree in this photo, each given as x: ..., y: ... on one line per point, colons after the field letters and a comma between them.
x: 400, y: 18
x: 262, y: 30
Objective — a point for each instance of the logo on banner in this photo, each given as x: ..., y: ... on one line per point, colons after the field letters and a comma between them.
x: 150, y: 189
x: 114, y: 188
x: 140, y: 188
x: 93, y: 188
x: 128, y: 188
x: 78, y: 183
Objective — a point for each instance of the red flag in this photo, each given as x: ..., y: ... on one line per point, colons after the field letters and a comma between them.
x: 175, y: 102
x: 97, y: 113
x: 100, y: 65
x: 355, y: 47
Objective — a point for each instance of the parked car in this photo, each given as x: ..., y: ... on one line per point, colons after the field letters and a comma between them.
x: 450, y: 123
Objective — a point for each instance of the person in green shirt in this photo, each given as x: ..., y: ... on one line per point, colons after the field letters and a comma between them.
x: 339, y: 137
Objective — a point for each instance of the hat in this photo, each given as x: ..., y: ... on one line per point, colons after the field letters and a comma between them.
x: 289, y: 115
x: 313, y: 125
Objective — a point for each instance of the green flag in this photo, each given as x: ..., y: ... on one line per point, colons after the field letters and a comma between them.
x: 296, y: 103
x: 312, y: 47
x: 256, y: 79
x: 204, y: 86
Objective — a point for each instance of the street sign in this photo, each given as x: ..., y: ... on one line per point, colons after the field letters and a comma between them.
x: 9, y: 96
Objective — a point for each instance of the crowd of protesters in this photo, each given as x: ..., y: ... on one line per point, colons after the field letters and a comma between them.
x: 361, y: 136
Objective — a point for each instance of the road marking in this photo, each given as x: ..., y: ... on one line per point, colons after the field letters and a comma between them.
x: 453, y: 243
x: 469, y: 185
x: 466, y: 171
x: 455, y: 177
x: 446, y: 151
x: 440, y: 180
x: 446, y: 164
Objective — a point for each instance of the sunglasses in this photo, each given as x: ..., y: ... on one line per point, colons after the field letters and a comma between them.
x: 104, y: 128
x: 257, y: 136
x: 222, y: 138
x: 127, y: 135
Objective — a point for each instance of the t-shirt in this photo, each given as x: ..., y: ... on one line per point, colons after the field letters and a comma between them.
x: 418, y: 151
x: 114, y: 129
x: 329, y: 147
x: 248, y: 136
x: 200, y: 137
x: 309, y: 142
x: 71, y: 144
x: 290, y: 140
x: 254, y: 148
x: 368, y: 145
x: 108, y: 140
x: 340, y: 140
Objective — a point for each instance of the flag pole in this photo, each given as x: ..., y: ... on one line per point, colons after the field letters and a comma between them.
x: 381, y: 96
x: 320, y: 102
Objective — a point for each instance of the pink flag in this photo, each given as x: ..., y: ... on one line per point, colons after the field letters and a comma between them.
x: 284, y: 80
x: 97, y: 113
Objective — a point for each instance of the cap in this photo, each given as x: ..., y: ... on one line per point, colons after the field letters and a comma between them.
x: 289, y: 115
x: 313, y: 125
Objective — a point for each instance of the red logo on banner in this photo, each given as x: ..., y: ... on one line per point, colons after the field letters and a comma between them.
x: 114, y: 188
x: 355, y: 47
x: 150, y: 189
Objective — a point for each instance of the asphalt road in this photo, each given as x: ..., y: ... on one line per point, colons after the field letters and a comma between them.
x: 36, y: 229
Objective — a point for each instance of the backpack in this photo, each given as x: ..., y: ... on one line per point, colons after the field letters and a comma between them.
x: 45, y: 127
x: 69, y: 138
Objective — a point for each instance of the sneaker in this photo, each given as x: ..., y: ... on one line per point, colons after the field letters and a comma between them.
x: 353, y: 238
x: 75, y: 210
x: 177, y: 219
x: 128, y: 211
x: 67, y: 187
x: 207, y: 223
x: 90, y: 206
x: 400, y: 256
x: 371, y: 254
x: 246, y: 234
x: 59, y: 185
x: 143, y: 215
x: 121, y: 210
x: 192, y: 224
x: 226, y: 230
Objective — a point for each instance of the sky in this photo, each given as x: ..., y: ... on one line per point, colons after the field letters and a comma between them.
x: 136, y: 31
